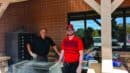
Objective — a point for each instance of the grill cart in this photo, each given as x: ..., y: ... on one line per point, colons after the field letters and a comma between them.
x: 37, y: 67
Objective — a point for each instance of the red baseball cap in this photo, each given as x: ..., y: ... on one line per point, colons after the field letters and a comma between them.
x: 70, y: 26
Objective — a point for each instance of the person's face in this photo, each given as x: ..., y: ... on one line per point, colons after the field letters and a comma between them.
x: 70, y: 32
x: 43, y: 33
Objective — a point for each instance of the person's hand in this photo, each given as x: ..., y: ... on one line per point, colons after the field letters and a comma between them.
x: 79, y: 69
x: 34, y: 55
x: 60, y: 61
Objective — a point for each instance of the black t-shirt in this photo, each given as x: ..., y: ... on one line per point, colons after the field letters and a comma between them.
x: 41, y: 46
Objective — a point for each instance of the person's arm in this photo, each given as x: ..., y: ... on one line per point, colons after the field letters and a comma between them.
x: 30, y: 51
x: 54, y: 47
x: 62, y: 52
x: 81, y: 57
x: 61, y: 56
x: 79, y: 68
x: 56, y: 50
x: 80, y: 46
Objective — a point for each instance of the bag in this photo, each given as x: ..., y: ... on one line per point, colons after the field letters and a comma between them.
x: 88, y: 57
x: 117, y: 64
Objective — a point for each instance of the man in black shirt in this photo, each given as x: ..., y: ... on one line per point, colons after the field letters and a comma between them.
x: 39, y: 47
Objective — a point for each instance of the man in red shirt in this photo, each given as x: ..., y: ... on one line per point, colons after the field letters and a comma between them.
x: 72, y: 52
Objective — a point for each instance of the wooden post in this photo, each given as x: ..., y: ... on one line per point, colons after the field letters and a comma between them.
x: 106, y: 36
x: 105, y: 10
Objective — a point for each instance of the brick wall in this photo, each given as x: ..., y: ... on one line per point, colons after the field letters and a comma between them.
x: 79, y: 5
x: 13, y: 19
x: 51, y: 14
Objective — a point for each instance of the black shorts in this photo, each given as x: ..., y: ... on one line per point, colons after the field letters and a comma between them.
x: 70, y: 67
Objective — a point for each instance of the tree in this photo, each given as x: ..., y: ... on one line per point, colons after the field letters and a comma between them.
x: 86, y: 35
x: 115, y: 29
x: 80, y: 33
x: 96, y: 33
x: 128, y: 28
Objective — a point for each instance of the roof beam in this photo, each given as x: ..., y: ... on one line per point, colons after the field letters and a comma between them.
x: 94, y: 5
x: 14, y: 1
x: 3, y: 7
x: 96, y: 21
x: 5, y: 4
x: 11, y: 1
x: 116, y: 4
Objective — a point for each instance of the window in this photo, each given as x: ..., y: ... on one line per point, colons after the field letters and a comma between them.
x: 128, y: 29
x: 79, y: 24
x: 86, y: 22
x: 128, y: 32
x: 93, y: 24
x: 87, y: 30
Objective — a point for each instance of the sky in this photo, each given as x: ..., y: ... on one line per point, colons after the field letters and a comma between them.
x: 92, y: 24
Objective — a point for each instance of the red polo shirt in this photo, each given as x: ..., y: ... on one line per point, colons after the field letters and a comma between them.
x: 71, y: 49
